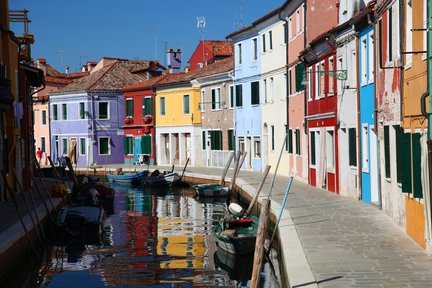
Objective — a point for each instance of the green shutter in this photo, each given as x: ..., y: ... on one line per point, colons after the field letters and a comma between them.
x: 299, y: 74
x: 387, y: 151
x: 149, y: 106
x: 146, y: 145
x: 290, y: 142
x: 239, y: 96
x: 203, y: 136
x: 297, y: 134
x: 219, y: 133
x: 399, y: 163
x: 126, y: 145
x: 272, y: 138
x: 416, y: 162
x: 213, y: 99
x: 255, y: 93
x: 405, y: 162
x: 230, y: 139
x: 312, y: 145
x: 231, y: 96
x: 352, y: 147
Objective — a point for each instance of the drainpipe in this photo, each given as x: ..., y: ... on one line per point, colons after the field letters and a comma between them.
x: 359, y: 128
x: 287, y: 77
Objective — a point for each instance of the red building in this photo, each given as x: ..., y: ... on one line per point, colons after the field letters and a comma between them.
x: 139, y: 121
x: 210, y: 51
x: 321, y: 112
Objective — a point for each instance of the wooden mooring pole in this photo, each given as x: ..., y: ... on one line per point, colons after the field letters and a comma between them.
x: 259, y: 245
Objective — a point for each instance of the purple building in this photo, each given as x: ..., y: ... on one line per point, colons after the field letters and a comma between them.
x: 87, y: 115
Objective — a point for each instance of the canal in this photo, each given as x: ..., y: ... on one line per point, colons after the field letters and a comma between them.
x: 153, y: 238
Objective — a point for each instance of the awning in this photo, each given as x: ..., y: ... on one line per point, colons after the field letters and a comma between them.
x: 35, y: 77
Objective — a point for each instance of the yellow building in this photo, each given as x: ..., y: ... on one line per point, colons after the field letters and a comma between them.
x: 178, y: 120
x: 411, y: 137
x: 8, y: 93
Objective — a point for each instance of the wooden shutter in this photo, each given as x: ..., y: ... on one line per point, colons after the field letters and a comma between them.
x: 255, y: 93
x: 299, y: 74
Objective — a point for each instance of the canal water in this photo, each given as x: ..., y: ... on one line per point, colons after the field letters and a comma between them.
x: 154, y: 238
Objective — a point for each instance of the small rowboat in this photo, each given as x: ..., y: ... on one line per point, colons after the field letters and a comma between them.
x: 211, y: 190
x: 134, y: 178
x: 164, y: 179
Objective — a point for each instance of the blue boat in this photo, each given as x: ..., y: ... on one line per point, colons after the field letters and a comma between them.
x: 134, y: 178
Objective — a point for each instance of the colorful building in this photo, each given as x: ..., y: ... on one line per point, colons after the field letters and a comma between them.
x: 208, y: 52
x: 87, y: 115
x: 217, y: 118
x: 247, y: 108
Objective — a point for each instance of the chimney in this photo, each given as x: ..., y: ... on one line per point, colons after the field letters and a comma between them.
x: 41, y: 64
x: 174, y: 60
x: 91, y: 65
x: 67, y: 69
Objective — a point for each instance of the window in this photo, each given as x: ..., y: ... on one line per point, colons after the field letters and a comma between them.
x: 43, y: 144
x: 387, y: 151
x: 363, y: 67
x: 104, y: 147
x: 44, y: 120
x: 299, y: 75
x: 371, y: 69
x: 239, y: 95
x: 365, y: 148
x: 216, y: 101
x: 202, y: 105
x: 81, y: 110
x: 83, y: 146
x: 298, y: 22
x: 147, y: 106
x: 309, y: 83
x: 231, y: 96
x: 317, y: 81
x: 321, y: 77
x: 64, y: 146
x: 330, y: 149
x: 203, y: 138
x: 265, y: 90
x: 230, y: 139
x: 290, y: 82
x: 263, y: 43
x: 380, y: 43
x: 216, y: 140
x: 162, y: 106
x: 239, y: 55
x: 331, y: 82
x: 64, y: 111
x: 272, y: 129
x: 128, y: 145
x: 146, y: 144
x: 270, y: 40
x: 297, y: 141
x: 103, y: 110
x: 290, y: 141
x: 186, y: 109
x: 285, y: 29
x: 255, y: 93
x: 290, y: 28
x: 129, y: 107
x: 257, y: 147
x: 312, y: 148
x: 255, y: 49
x: 271, y: 90
x: 352, y: 147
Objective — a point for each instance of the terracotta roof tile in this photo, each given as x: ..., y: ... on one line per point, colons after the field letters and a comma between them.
x: 57, y: 80
x: 112, y: 77
x: 220, y: 47
x: 146, y: 84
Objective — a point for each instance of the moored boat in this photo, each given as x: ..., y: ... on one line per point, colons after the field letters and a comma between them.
x: 211, y: 190
x: 81, y: 221
x: 160, y: 179
x: 133, y: 178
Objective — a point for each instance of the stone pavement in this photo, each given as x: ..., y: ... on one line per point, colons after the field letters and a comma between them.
x: 334, y: 241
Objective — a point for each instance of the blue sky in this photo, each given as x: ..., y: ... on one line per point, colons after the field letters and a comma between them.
x: 73, y: 32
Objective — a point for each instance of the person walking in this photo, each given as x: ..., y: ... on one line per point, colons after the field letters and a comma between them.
x: 39, y: 155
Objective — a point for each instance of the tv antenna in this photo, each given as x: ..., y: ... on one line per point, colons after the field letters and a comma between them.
x: 60, y: 53
x: 201, y: 25
x: 241, y: 12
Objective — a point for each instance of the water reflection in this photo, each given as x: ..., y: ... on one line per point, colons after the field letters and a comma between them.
x: 154, y: 238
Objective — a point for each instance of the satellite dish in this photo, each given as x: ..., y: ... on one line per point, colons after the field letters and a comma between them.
x: 201, y: 22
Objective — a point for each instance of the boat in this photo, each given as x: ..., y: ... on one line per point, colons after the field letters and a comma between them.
x: 90, y: 191
x: 81, y: 221
x: 211, y: 190
x: 238, y: 267
x: 156, y: 179
x: 133, y: 178
x: 236, y: 234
